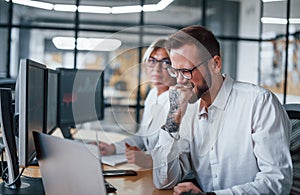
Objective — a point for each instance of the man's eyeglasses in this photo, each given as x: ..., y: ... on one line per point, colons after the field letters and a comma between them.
x: 164, y: 63
x: 186, y: 73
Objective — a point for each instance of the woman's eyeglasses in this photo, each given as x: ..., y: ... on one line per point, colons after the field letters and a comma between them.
x: 164, y: 63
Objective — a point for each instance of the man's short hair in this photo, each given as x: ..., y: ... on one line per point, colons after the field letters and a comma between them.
x: 199, y: 36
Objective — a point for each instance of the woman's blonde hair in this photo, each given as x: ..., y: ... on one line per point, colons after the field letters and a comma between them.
x: 160, y: 43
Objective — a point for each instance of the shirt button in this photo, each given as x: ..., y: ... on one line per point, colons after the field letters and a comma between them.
x: 212, y: 148
x: 215, y: 175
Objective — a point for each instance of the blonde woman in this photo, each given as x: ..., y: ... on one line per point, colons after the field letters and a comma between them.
x: 138, y: 147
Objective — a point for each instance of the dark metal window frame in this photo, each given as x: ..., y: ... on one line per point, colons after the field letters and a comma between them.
x: 138, y: 105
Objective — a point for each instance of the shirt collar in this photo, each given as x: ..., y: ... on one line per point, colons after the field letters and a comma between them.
x: 224, y: 92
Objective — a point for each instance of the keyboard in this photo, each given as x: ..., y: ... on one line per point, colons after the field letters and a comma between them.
x: 109, y: 188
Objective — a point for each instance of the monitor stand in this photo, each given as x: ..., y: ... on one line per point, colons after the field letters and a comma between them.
x: 28, y: 186
x: 34, y: 162
x: 66, y: 131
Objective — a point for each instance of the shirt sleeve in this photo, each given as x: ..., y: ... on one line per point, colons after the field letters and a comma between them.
x: 271, y: 137
x: 171, y: 160
x: 134, y: 140
x: 137, y: 140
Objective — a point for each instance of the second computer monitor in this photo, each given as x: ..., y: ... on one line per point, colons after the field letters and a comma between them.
x: 51, y: 101
x: 80, y: 96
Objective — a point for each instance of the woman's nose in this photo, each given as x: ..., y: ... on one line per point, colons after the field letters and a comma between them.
x: 157, y: 67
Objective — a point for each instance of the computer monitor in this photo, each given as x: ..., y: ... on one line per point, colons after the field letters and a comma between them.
x: 51, y: 99
x: 80, y: 97
x: 31, y: 104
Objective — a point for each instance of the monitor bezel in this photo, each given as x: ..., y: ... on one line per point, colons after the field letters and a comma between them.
x: 24, y: 157
x: 53, y: 127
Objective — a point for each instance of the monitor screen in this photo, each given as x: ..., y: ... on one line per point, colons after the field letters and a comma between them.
x: 51, y: 99
x: 31, y: 103
x: 80, y: 96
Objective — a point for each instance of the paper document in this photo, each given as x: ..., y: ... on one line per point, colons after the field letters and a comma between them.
x: 114, y: 160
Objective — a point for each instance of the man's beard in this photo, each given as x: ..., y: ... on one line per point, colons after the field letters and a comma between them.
x: 198, y: 92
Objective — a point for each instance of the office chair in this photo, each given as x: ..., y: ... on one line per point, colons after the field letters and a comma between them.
x: 293, y: 111
x: 7, y: 83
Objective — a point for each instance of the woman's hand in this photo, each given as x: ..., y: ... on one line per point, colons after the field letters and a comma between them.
x: 136, y: 156
x: 105, y: 149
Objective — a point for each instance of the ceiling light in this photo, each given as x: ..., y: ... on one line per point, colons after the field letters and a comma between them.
x: 126, y: 9
x: 163, y: 4
x: 64, y: 42
x: 266, y: 1
x: 94, y: 9
x: 268, y: 20
x: 65, y: 8
x: 96, y: 44
x: 36, y: 4
x: 294, y: 20
x: 86, y: 44
x: 150, y: 8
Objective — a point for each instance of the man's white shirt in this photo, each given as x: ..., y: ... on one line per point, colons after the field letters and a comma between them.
x: 242, y: 147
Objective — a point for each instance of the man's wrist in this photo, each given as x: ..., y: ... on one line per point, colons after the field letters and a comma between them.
x: 175, y: 135
x: 173, y: 128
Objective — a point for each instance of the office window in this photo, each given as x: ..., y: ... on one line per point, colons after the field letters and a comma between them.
x: 247, y: 69
x: 222, y: 17
x: 178, y: 14
x: 293, y: 81
x: 229, y: 53
x: 3, y: 52
x: 4, y: 13
x: 274, y: 19
x: 4, y: 19
x: 278, y: 53
x: 42, y: 46
x: 247, y: 41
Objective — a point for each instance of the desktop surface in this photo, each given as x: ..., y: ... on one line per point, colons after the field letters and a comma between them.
x: 126, y: 185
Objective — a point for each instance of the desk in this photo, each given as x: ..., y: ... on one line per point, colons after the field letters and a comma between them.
x: 140, y: 184
x: 130, y: 185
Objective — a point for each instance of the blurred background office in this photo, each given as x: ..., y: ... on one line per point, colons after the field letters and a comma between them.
x: 259, y: 41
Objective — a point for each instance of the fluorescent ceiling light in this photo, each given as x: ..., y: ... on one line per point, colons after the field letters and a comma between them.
x: 266, y: 1
x: 64, y: 42
x: 150, y: 8
x: 163, y: 4
x: 126, y: 9
x: 65, y: 8
x: 94, y: 9
x: 95, y: 44
x: 86, y: 44
x: 36, y: 4
x: 267, y: 20
x: 294, y: 20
